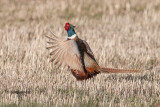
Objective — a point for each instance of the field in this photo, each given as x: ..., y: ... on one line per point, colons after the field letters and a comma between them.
x: 122, y: 34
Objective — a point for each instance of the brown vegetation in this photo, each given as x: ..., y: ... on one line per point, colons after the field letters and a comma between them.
x: 122, y: 34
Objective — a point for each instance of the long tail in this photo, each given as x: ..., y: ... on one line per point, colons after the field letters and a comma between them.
x: 114, y: 70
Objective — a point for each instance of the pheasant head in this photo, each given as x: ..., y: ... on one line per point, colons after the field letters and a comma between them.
x: 70, y: 31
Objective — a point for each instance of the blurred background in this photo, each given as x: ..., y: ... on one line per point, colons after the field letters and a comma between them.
x: 93, y: 12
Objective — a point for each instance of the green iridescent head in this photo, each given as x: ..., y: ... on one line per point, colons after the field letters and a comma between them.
x: 70, y: 29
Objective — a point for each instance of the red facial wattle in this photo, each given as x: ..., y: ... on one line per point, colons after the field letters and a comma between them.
x: 67, y: 26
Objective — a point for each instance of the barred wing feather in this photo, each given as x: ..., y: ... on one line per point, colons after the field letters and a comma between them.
x: 64, y: 52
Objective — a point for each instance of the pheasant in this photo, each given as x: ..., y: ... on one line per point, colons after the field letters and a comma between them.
x: 76, y: 54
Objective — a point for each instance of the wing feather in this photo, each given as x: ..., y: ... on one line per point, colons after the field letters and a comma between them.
x: 54, y: 54
x: 54, y: 39
x: 50, y: 42
x: 55, y: 50
x: 88, y: 48
x: 51, y: 47
x: 57, y: 60
x: 64, y: 52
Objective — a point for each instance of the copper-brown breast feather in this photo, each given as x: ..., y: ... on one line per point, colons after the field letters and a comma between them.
x: 64, y: 52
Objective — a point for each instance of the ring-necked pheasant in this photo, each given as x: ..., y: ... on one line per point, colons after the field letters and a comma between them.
x: 77, y: 55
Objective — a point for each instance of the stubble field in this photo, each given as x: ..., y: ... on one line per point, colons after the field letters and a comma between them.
x: 122, y: 34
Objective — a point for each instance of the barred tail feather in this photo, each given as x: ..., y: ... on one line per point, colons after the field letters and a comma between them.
x: 114, y: 70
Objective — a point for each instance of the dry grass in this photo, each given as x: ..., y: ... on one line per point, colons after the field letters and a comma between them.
x: 122, y: 34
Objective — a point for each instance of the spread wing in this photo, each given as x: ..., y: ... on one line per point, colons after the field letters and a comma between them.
x: 64, y: 52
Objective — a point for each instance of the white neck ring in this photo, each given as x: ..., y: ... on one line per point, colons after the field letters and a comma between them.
x: 72, y: 37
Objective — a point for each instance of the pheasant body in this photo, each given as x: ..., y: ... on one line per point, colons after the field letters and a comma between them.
x: 88, y: 61
x: 77, y: 55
